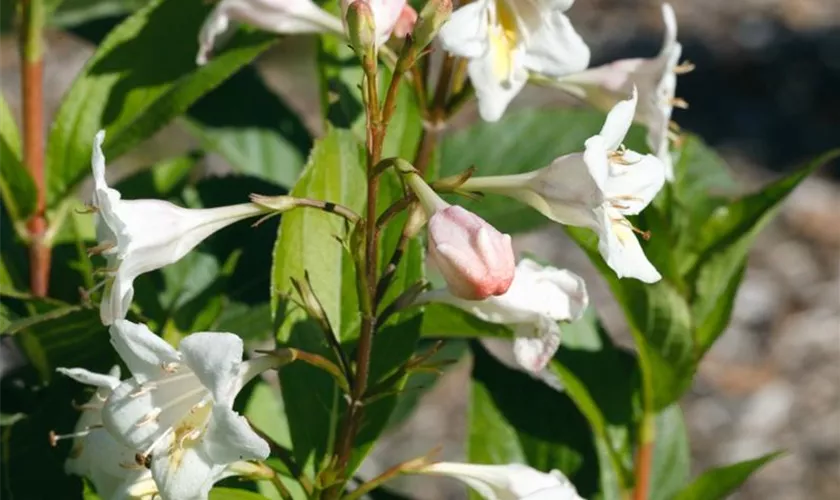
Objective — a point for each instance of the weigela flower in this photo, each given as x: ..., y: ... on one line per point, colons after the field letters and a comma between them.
x: 386, y: 15
x: 507, y: 482
x: 276, y: 16
x: 595, y: 189
x: 537, y: 299
x: 176, y: 410
x: 505, y: 39
x: 138, y: 236
x: 475, y: 259
x: 108, y: 464
x: 656, y: 79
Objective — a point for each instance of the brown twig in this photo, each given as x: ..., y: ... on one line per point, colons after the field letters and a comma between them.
x: 644, y: 457
x: 32, y: 84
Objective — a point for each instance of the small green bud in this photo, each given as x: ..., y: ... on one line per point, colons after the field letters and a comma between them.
x: 361, y: 30
x: 432, y: 17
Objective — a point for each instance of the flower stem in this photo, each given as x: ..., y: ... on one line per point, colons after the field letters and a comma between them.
x: 32, y: 85
x: 644, y: 457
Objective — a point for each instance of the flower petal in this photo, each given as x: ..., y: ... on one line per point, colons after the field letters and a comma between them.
x: 568, y: 190
x: 596, y: 158
x: 633, y: 186
x: 465, y: 34
x: 143, y: 352
x: 622, y: 251
x: 534, y: 345
x: 556, y: 49
x: 618, y: 122
x: 116, y: 299
x: 214, y: 357
x: 229, y: 438
x: 185, y: 473
x: 90, y: 378
x: 493, y: 94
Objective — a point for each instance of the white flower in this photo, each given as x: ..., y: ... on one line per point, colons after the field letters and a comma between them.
x: 176, y: 411
x: 138, y: 236
x: 276, y: 16
x: 508, y: 482
x: 96, y: 454
x: 595, y: 189
x: 505, y: 39
x: 537, y: 299
x: 656, y: 79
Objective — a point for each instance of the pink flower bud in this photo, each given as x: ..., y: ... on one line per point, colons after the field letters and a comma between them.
x: 405, y: 23
x: 476, y: 260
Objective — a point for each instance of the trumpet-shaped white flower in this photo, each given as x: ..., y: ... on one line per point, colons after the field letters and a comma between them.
x: 537, y: 299
x: 108, y: 464
x: 595, y: 189
x: 656, y: 79
x: 386, y: 13
x: 505, y: 39
x: 176, y: 410
x: 138, y: 236
x: 507, y: 482
x: 276, y: 16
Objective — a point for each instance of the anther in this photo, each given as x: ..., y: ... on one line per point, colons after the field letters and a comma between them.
x: 55, y: 438
x: 684, y: 67
x: 674, y: 126
x: 101, y: 248
x: 679, y: 102
x: 144, y: 389
x: 143, y: 460
x: 152, y: 415
x: 85, y: 407
x: 169, y: 367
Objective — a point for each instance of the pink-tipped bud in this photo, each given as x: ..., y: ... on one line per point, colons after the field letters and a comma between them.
x: 405, y: 23
x: 476, y: 260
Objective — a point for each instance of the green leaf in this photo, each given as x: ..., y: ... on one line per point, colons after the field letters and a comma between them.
x: 128, y: 89
x: 671, y: 460
x: 234, y: 494
x: 252, y: 128
x: 306, y: 241
x: 519, y: 142
x: 68, y: 13
x: 491, y: 439
x: 660, y: 321
x: 722, y: 246
x: 445, y: 321
x: 16, y: 185
x: 720, y: 482
x: 532, y: 410
x: 67, y: 337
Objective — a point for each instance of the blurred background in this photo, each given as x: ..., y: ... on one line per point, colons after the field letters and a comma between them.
x: 766, y: 95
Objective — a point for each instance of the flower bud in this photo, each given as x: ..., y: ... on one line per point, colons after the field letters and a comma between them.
x: 361, y: 29
x: 476, y: 260
x: 432, y: 17
x: 406, y: 22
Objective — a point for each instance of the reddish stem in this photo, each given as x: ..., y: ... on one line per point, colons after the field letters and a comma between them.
x: 32, y: 85
x: 644, y: 459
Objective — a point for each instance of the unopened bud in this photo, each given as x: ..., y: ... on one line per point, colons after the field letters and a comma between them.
x: 475, y: 259
x: 361, y: 29
x: 432, y: 17
x: 406, y: 22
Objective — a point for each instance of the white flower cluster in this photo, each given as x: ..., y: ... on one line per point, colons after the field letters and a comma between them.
x: 169, y: 430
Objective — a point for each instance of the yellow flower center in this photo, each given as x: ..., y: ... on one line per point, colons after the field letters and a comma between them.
x: 503, y: 39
